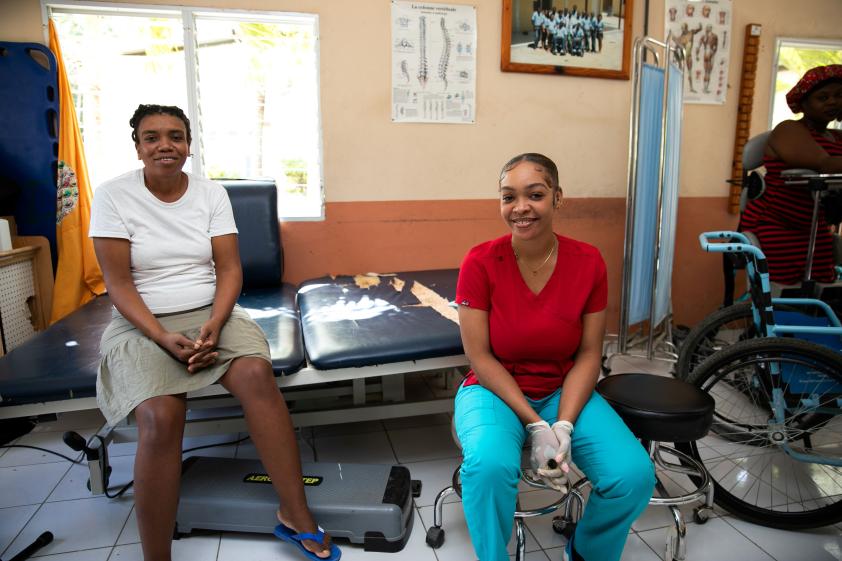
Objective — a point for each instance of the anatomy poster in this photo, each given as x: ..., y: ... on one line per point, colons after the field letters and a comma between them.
x: 703, y: 28
x: 433, y: 62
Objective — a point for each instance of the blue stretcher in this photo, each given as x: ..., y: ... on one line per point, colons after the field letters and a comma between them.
x: 29, y: 138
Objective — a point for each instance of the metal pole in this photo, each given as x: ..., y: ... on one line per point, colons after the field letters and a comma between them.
x: 634, y: 121
x: 656, y: 261
x: 680, y: 58
x: 811, y: 245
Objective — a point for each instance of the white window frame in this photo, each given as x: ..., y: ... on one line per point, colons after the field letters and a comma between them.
x: 187, y: 14
x: 792, y: 42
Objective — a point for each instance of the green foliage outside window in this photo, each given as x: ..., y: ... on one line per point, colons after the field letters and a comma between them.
x: 799, y: 60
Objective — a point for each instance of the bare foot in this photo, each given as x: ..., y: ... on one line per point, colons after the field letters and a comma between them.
x: 319, y: 549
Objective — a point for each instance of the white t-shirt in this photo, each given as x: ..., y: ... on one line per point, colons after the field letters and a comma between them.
x: 171, y: 257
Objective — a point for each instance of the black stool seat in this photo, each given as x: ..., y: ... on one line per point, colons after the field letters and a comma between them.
x: 657, y: 408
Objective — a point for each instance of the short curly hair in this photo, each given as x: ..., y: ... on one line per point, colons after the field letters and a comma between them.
x: 146, y: 109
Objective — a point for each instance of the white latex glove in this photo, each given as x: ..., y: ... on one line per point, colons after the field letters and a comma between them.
x: 555, y: 473
x: 543, y: 444
x: 563, y: 430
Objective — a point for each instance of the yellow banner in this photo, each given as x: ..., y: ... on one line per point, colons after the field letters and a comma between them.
x: 78, y: 277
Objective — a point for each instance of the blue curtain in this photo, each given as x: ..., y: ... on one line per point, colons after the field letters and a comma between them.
x: 646, y: 194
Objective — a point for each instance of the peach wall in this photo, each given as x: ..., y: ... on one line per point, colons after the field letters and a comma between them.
x: 20, y: 21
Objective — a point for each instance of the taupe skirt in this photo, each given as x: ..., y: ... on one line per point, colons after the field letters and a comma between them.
x: 133, y: 368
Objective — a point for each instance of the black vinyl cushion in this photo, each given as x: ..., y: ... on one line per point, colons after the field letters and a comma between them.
x: 255, y: 206
x: 657, y: 408
x: 273, y: 309
x: 346, y: 325
x: 61, y: 362
x: 57, y: 363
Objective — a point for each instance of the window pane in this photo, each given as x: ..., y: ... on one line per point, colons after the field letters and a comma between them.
x: 257, y: 91
x: 259, y: 105
x: 794, y: 59
x: 114, y: 63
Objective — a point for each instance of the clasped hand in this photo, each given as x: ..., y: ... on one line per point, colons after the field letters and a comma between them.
x: 550, y: 452
x: 197, y: 354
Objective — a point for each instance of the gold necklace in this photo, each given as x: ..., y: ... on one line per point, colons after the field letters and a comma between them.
x: 544, y: 262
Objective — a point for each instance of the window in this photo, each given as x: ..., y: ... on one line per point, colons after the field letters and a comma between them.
x: 794, y: 57
x: 248, y: 81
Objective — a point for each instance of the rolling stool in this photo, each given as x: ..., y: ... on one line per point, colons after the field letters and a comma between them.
x: 658, y: 409
x: 564, y: 524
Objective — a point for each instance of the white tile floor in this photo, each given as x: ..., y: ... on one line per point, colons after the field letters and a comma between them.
x: 39, y: 492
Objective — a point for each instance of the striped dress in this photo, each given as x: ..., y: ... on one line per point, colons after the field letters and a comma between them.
x: 781, y: 220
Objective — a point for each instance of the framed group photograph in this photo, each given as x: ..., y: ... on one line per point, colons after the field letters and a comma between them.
x: 571, y: 37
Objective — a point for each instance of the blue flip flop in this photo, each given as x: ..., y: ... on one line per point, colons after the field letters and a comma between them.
x: 287, y: 534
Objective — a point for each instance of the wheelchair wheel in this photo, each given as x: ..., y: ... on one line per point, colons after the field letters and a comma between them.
x: 716, y: 332
x: 753, y: 474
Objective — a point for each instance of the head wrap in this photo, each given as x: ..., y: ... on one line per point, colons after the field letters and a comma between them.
x: 808, y: 82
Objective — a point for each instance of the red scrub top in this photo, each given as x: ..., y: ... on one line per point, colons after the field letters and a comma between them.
x: 535, y: 337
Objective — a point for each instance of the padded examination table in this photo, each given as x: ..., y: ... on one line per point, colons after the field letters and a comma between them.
x: 376, y: 319
x: 390, y: 324
x: 346, y: 323
x: 60, y: 362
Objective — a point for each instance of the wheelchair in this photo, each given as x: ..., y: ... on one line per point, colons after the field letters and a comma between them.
x: 775, y: 448
x: 734, y: 321
x: 560, y: 45
x: 577, y: 44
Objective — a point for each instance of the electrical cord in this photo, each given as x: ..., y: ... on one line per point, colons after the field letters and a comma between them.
x: 47, y: 537
x: 213, y: 445
x: 128, y: 485
x: 122, y: 490
x: 69, y: 459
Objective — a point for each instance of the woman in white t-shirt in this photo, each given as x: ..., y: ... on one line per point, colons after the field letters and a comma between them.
x: 167, y: 244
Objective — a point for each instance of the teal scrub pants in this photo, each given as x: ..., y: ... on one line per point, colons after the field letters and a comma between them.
x: 603, y: 448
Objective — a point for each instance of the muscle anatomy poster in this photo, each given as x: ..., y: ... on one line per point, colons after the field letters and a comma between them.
x: 703, y: 28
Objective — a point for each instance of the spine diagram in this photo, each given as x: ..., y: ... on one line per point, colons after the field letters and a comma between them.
x: 422, y: 51
x: 405, y: 71
x: 445, y: 54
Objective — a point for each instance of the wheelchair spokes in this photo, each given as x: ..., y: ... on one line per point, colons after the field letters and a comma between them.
x: 775, y: 448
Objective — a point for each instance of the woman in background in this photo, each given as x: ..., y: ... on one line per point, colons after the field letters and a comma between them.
x: 782, y: 218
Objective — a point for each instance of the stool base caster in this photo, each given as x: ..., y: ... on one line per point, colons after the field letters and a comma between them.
x: 435, y: 537
x: 702, y: 514
x: 564, y: 527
